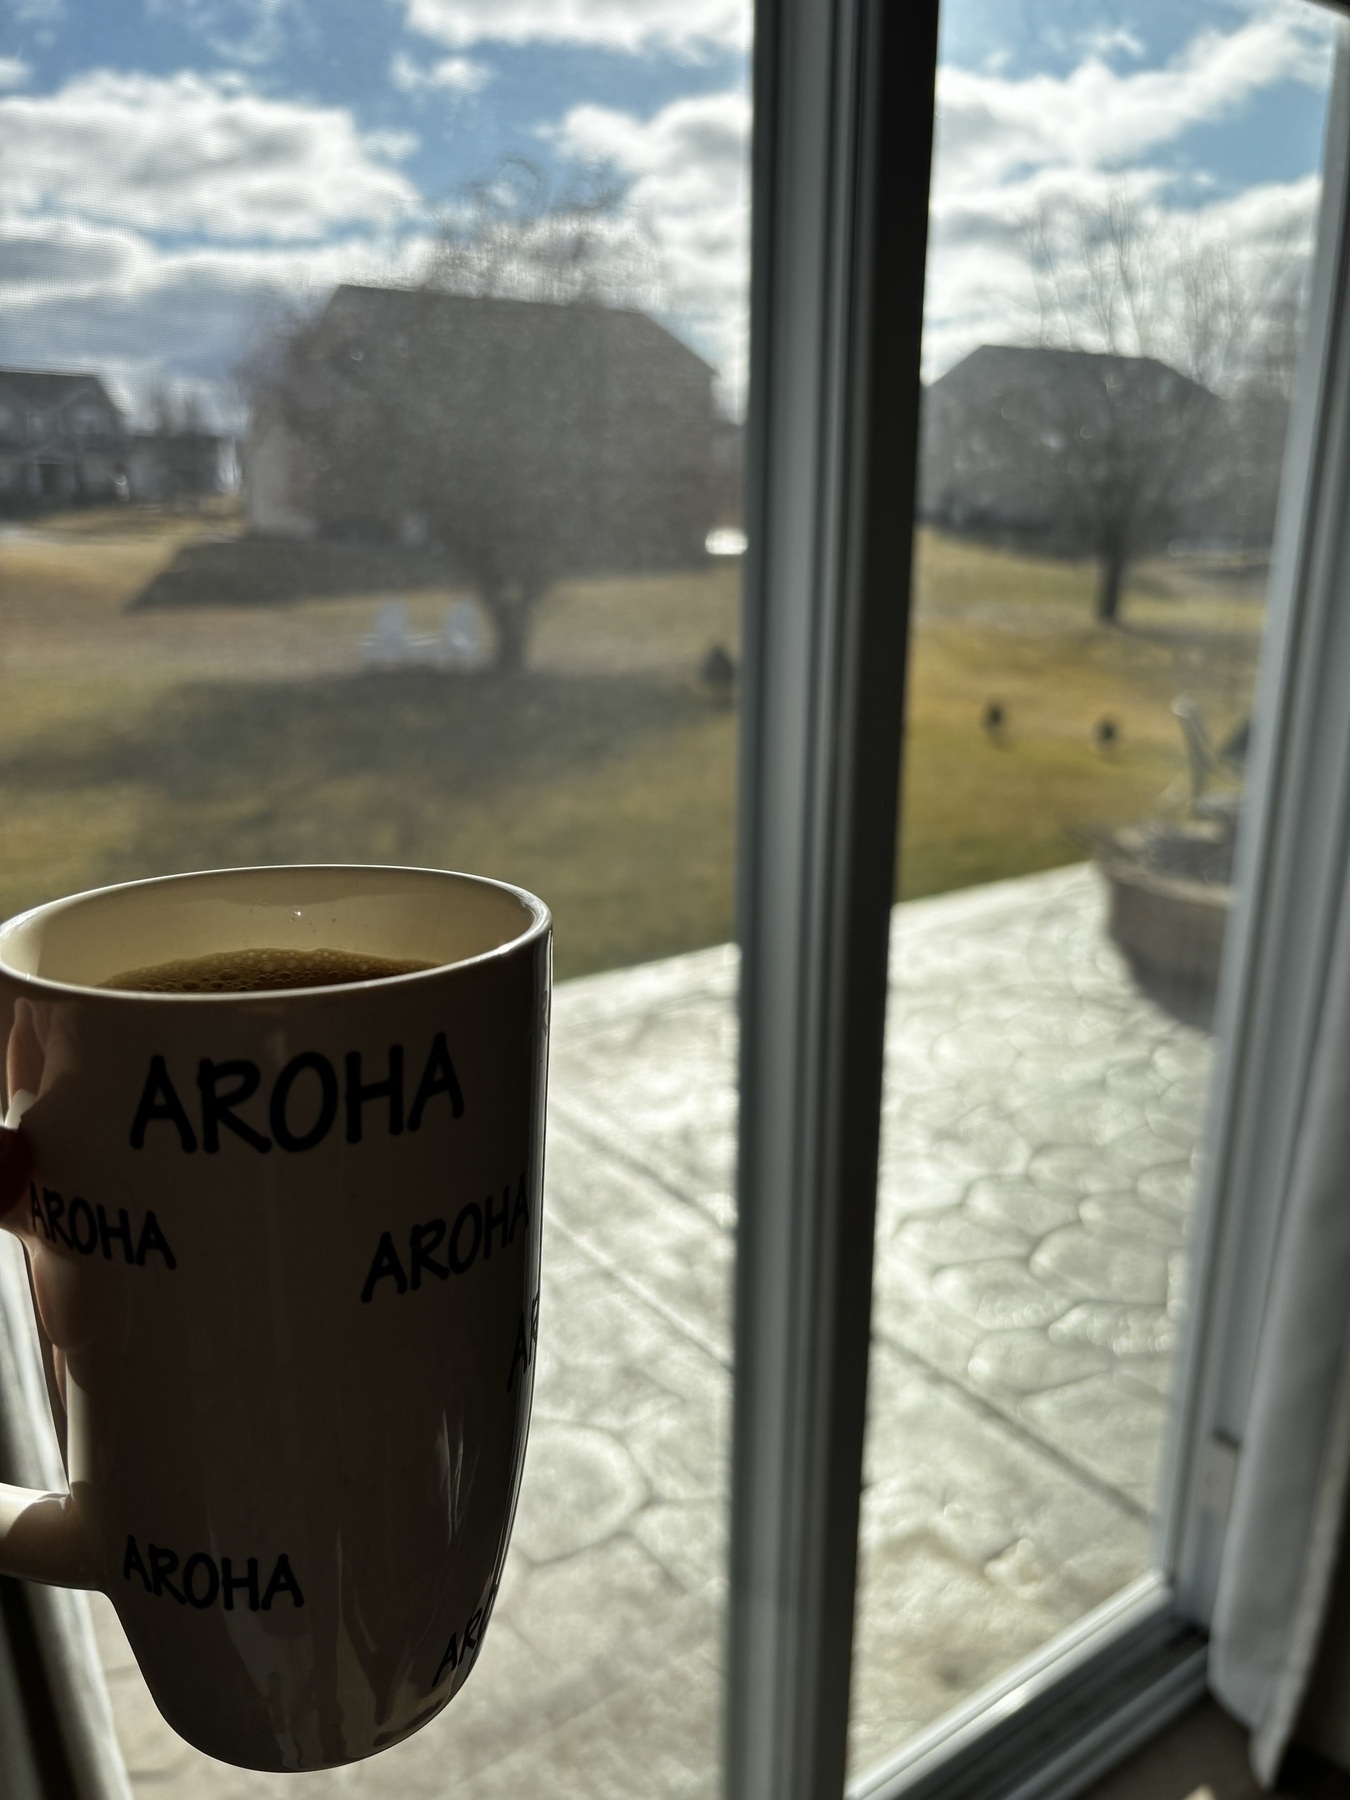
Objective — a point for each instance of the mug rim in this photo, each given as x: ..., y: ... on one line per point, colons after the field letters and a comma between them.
x: 540, y: 924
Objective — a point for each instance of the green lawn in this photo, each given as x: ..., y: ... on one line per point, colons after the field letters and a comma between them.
x: 136, y: 739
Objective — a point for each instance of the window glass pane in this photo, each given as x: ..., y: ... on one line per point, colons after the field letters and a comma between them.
x: 371, y: 379
x: 1122, y: 229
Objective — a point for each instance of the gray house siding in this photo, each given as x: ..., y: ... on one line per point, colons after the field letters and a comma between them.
x: 595, y: 418
x: 63, y: 441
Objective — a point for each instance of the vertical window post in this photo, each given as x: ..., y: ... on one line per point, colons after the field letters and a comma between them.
x: 843, y: 140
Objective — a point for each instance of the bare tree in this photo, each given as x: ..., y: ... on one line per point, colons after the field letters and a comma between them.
x: 486, y: 405
x: 1087, y: 453
x: 1119, y: 278
x: 508, y: 505
x: 1185, y: 354
x: 514, y: 236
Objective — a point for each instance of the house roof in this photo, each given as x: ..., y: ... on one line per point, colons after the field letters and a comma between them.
x: 379, y: 307
x: 40, y: 387
x: 1002, y: 364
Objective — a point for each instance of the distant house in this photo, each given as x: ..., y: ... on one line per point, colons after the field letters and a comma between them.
x: 187, y: 464
x: 528, y: 436
x: 1019, y: 441
x: 63, y: 441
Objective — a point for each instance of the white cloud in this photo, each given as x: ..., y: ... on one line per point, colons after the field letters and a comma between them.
x: 101, y: 182
x: 1105, y: 39
x: 991, y: 125
x: 980, y: 287
x: 149, y: 226
x: 14, y: 71
x: 690, y: 28
x: 239, y: 31
x: 110, y: 299
x: 452, y: 74
x: 1009, y: 148
x: 41, y: 259
x: 688, y: 175
x: 193, y: 153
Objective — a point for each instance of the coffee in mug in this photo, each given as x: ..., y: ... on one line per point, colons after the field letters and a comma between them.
x: 284, y: 1235
x: 261, y: 971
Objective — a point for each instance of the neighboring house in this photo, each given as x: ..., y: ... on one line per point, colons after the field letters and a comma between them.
x: 179, y: 465
x: 63, y: 441
x: 528, y: 437
x: 1019, y: 440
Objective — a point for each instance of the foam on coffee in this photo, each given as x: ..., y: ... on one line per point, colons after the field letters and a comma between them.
x: 260, y: 971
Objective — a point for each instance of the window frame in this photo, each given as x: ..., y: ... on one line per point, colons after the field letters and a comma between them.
x: 836, y: 311
x: 843, y: 126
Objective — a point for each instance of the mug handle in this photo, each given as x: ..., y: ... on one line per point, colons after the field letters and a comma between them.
x: 41, y: 1536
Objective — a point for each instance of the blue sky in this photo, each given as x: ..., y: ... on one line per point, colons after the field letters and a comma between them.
x: 176, y: 173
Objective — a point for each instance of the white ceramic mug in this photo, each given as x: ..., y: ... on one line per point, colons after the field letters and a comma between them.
x: 286, y: 1246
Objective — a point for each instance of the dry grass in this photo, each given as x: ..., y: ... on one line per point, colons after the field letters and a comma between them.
x: 994, y: 627
x: 135, y: 740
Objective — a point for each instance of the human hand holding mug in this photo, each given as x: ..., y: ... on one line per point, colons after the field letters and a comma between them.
x: 286, y: 1246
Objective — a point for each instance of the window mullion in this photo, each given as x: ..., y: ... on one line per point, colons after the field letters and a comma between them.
x: 841, y: 206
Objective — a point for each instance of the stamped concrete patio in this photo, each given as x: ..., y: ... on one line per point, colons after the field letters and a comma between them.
x: 1041, y: 1122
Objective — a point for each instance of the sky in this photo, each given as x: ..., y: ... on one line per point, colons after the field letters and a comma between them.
x: 178, y: 176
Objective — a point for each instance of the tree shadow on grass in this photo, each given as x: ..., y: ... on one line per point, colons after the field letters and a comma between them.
x: 253, y: 571
x: 375, y: 767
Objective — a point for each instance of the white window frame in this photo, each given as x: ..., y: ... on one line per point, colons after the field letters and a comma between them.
x: 843, y: 138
